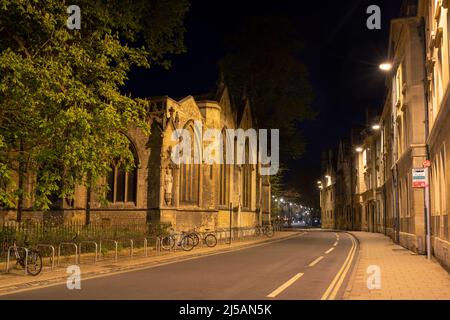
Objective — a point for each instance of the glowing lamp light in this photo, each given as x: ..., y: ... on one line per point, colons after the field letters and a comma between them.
x: 386, y: 66
x: 376, y: 127
x: 359, y: 149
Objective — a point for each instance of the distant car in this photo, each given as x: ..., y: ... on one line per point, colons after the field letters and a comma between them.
x: 316, y: 223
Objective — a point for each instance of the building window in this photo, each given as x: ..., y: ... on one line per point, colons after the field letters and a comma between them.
x: 224, y: 178
x: 190, y: 175
x: 122, y: 184
x: 246, y: 179
x: 398, y: 86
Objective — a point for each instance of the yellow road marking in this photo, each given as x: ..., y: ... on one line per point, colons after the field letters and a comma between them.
x: 329, y: 250
x: 312, y: 264
x: 285, y: 285
x: 340, y: 276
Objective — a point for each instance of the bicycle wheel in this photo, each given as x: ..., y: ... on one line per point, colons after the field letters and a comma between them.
x: 187, y: 243
x: 196, y: 238
x: 167, y: 243
x: 269, y: 232
x: 211, y: 240
x: 34, y: 263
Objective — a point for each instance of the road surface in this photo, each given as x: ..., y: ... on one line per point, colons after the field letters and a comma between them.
x: 307, y: 266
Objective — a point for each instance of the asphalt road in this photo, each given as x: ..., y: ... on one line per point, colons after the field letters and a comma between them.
x: 288, y: 269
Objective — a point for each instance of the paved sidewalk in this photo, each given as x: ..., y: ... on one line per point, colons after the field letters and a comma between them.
x: 14, y: 282
x: 404, y: 275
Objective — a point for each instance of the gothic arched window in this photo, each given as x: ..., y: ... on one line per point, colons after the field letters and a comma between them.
x: 123, y: 184
x: 189, y: 175
x: 246, y: 179
x: 224, y: 177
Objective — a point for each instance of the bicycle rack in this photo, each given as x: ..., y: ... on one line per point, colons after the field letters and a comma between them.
x: 87, y: 243
x: 131, y: 247
x: 116, y: 244
x: 67, y: 244
x: 135, y: 245
x: 53, y: 252
x: 9, y: 254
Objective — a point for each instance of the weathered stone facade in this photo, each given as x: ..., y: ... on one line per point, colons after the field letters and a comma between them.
x: 187, y: 196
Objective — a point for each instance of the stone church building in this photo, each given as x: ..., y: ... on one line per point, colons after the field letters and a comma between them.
x: 185, y: 195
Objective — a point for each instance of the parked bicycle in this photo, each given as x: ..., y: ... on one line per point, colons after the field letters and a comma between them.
x: 208, y: 238
x: 183, y: 240
x: 29, y: 259
x: 265, y: 230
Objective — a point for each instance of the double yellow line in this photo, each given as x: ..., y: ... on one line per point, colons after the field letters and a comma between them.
x: 336, y: 284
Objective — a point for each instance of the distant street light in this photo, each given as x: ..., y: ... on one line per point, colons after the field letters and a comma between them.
x: 359, y: 149
x: 376, y: 127
x: 386, y: 66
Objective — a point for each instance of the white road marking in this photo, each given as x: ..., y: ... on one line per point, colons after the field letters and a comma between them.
x: 329, y: 250
x: 285, y: 285
x: 335, y: 244
x: 312, y: 264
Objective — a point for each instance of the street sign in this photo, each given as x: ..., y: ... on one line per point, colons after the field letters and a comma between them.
x: 427, y: 164
x: 419, y: 178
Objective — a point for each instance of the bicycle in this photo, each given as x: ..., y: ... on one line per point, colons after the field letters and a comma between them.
x: 29, y: 259
x: 183, y: 240
x: 266, y: 230
x: 209, y: 238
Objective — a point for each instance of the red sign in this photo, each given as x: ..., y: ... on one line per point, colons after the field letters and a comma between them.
x: 427, y: 164
x: 419, y: 178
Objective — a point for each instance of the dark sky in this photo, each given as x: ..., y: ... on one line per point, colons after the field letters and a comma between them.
x: 341, y: 53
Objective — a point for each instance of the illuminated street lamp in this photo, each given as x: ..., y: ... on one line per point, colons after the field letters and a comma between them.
x: 376, y: 127
x: 359, y: 149
x: 386, y: 66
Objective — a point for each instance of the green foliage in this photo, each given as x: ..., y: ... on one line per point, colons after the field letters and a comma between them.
x: 263, y: 64
x: 62, y: 114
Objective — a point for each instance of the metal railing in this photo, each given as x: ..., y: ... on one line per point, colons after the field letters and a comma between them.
x: 67, y: 244
x: 25, y: 260
x: 86, y: 243
x: 53, y: 251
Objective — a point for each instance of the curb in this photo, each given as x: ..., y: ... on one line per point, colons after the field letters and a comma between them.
x: 354, y: 267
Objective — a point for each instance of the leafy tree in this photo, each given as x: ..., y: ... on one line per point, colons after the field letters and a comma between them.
x: 62, y: 113
x: 264, y: 64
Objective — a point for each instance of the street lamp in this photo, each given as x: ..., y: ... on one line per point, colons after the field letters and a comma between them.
x: 386, y: 66
x: 376, y: 127
x: 359, y: 149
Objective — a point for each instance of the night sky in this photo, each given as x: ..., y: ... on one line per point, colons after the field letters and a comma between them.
x: 341, y: 53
